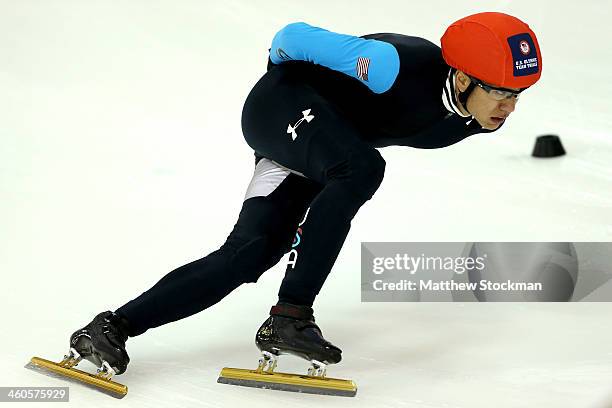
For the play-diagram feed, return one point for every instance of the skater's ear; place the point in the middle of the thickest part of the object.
(462, 81)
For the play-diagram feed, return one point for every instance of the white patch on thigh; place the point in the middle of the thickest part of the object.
(267, 177)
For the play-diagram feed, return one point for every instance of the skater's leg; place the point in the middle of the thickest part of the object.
(348, 186)
(275, 202)
(324, 147)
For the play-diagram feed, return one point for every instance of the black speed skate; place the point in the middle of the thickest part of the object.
(291, 329)
(102, 342)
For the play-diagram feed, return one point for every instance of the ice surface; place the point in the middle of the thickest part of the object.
(121, 158)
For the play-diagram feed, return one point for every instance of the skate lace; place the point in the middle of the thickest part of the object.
(113, 333)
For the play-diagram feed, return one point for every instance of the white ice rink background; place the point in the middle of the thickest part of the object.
(122, 158)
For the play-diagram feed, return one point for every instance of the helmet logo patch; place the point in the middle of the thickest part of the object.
(524, 55)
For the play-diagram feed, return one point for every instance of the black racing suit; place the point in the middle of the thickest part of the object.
(314, 131)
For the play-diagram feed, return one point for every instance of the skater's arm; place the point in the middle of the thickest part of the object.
(374, 63)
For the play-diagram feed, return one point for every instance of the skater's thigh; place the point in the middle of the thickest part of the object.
(288, 121)
(275, 202)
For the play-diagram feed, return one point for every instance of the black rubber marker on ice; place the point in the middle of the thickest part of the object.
(548, 146)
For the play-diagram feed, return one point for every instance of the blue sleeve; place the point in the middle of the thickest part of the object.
(374, 63)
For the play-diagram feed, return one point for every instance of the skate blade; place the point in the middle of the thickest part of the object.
(288, 382)
(55, 370)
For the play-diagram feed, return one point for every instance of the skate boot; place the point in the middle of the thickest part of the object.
(291, 329)
(102, 342)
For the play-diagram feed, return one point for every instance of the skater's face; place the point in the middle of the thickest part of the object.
(487, 108)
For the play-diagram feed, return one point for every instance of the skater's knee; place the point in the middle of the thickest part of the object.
(362, 172)
(255, 257)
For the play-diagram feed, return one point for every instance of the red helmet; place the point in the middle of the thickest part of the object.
(495, 48)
